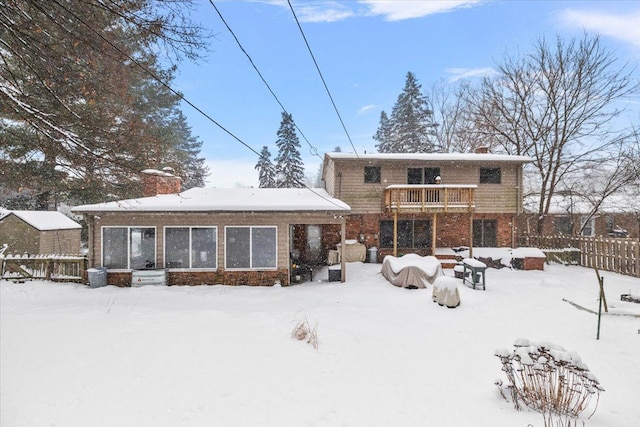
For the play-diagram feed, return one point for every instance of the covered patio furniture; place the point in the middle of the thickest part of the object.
(411, 271)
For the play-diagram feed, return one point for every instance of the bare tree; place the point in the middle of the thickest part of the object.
(557, 104)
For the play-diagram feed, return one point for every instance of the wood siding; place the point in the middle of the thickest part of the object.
(348, 183)
(24, 238)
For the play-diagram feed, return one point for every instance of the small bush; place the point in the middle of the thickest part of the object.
(548, 379)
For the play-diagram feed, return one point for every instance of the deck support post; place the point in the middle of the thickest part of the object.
(471, 235)
(395, 233)
(434, 234)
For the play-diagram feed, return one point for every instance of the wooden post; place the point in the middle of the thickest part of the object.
(434, 234)
(343, 252)
(471, 236)
(395, 233)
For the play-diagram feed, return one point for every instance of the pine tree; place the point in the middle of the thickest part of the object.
(78, 119)
(383, 134)
(289, 169)
(266, 170)
(410, 128)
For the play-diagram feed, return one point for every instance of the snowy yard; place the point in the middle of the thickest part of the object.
(224, 356)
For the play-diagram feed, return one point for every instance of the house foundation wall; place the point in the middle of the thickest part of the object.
(218, 277)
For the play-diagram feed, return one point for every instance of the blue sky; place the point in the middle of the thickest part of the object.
(364, 50)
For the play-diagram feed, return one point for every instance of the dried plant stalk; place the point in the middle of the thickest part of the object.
(548, 379)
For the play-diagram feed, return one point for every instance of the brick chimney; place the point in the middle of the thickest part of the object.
(483, 149)
(160, 182)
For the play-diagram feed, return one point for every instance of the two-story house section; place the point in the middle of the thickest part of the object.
(417, 202)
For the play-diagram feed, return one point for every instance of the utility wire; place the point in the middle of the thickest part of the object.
(156, 78)
(178, 94)
(322, 78)
(313, 150)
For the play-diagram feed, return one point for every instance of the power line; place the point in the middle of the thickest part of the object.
(313, 150)
(156, 78)
(178, 94)
(322, 78)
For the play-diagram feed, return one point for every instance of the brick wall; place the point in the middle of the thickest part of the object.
(158, 182)
(232, 278)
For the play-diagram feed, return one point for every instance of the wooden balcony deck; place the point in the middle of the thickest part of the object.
(429, 198)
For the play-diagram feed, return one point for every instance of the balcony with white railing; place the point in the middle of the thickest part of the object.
(429, 198)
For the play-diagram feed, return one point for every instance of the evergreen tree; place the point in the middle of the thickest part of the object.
(289, 169)
(78, 118)
(266, 170)
(383, 134)
(411, 127)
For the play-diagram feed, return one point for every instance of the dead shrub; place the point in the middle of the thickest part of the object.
(548, 379)
(304, 331)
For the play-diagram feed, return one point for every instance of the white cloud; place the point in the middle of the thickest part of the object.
(466, 73)
(366, 108)
(232, 173)
(622, 27)
(391, 10)
(323, 12)
(316, 11)
(399, 10)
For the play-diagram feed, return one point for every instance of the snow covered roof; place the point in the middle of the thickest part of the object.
(44, 220)
(562, 204)
(444, 157)
(229, 200)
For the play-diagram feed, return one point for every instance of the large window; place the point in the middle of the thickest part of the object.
(485, 233)
(250, 247)
(422, 175)
(190, 247)
(372, 175)
(490, 176)
(129, 247)
(411, 234)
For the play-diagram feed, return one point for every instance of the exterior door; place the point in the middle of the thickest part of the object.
(314, 244)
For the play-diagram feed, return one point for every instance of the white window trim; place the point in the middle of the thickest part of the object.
(128, 227)
(190, 227)
(592, 221)
(251, 227)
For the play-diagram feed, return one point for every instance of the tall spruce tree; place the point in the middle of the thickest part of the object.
(410, 128)
(266, 169)
(78, 118)
(289, 168)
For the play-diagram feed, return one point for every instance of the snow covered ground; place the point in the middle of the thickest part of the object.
(224, 356)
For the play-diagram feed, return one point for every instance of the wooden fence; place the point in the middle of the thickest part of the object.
(68, 268)
(619, 255)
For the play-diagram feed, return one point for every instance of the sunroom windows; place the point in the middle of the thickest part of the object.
(190, 247)
(251, 247)
(129, 247)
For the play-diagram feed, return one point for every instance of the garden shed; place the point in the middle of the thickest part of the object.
(39, 232)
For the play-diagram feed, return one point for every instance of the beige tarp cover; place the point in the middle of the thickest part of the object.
(411, 270)
(353, 251)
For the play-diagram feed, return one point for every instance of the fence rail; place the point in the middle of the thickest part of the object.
(45, 267)
(619, 255)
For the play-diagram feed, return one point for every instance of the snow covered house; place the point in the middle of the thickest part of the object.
(233, 236)
(39, 232)
(618, 215)
(417, 202)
